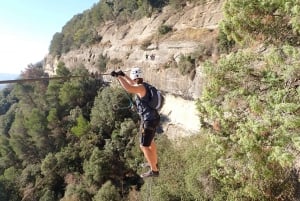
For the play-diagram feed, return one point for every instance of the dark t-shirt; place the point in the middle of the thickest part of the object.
(144, 110)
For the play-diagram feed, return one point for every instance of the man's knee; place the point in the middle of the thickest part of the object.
(143, 147)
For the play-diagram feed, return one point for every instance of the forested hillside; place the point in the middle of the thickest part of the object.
(75, 139)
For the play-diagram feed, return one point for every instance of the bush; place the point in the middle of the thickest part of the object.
(107, 192)
(186, 64)
(146, 44)
(102, 62)
(225, 45)
(257, 119)
(275, 22)
(76, 192)
(164, 29)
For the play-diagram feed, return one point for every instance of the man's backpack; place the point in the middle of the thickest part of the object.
(156, 99)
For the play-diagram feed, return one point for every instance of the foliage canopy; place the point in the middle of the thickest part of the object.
(65, 139)
(268, 21)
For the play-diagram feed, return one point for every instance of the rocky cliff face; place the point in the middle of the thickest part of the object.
(139, 44)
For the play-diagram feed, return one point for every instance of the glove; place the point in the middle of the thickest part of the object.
(114, 74)
(121, 73)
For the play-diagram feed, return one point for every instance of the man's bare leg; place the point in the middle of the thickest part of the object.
(150, 155)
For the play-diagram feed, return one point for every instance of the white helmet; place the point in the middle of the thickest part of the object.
(135, 73)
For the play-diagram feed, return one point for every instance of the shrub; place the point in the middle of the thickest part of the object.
(256, 111)
(146, 44)
(108, 192)
(164, 29)
(102, 62)
(186, 64)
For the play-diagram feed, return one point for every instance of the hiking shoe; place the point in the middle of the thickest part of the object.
(150, 173)
(147, 165)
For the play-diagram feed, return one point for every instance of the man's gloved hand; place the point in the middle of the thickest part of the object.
(121, 73)
(114, 74)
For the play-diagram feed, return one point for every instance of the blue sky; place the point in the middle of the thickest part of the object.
(27, 27)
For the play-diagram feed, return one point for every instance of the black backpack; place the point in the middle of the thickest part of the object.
(156, 99)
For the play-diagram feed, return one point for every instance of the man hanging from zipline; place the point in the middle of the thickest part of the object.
(150, 117)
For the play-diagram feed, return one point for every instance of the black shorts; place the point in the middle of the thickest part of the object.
(147, 132)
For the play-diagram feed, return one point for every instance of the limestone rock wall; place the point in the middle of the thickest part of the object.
(194, 29)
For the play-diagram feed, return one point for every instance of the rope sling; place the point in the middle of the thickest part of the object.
(149, 188)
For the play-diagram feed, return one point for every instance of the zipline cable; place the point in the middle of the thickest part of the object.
(49, 78)
(56, 78)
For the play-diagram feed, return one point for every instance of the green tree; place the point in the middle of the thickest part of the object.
(57, 168)
(102, 62)
(49, 195)
(106, 10)
(186, 64)
(96, 14)
(8, 157)
(9, 185)
(68, 160)
(6, 100)
(164, 29)
(82, 126)
(71, 93)
(263, 20)
(30, 94)
(21, 142)
(108, 192)
(52, 93)
(6, 120)
(76, 192)
(62, 70)
(111, 106)
(29, 177)
(158, 3)
(98, 168)
(3, 192)
(36, 125)
(56, 43)
(80, 91)
(251, 115)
